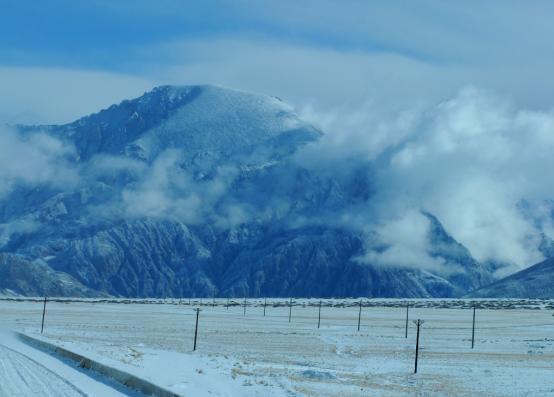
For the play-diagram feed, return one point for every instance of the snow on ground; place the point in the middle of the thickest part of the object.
(23, 376)
(253, 355)
(25, 372)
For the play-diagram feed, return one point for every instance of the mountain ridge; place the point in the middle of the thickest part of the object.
(536, 281)
(193, 191)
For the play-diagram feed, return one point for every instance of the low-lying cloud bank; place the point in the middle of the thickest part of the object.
(35, 160)
(476, 162)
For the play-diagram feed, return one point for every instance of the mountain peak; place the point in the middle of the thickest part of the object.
(195, 118)
(179, 93)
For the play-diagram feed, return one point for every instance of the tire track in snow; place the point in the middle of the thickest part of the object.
(20, 376)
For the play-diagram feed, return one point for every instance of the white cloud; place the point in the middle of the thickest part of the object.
(445, 32)
(301, 74)
(19, 226)
(321, 51)
(37, 159)
(168, 191)
(471, 161)
(109, 165)
(407, 244)
(330, 77)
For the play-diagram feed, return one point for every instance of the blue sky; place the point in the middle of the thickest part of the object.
(104, 34)
(60, 59)
(108, 34)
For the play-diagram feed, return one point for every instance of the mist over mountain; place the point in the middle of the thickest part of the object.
(206, 191)
(534, 282)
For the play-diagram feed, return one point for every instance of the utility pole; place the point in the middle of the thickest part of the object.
(407, 311)
(473, 329)
(43, 314)
(319, 316)
(360, 315)
(418, 323)
(290, 309)
(196, 329)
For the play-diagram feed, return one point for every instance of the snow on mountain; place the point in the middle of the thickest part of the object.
(195, 191)
(534, 282)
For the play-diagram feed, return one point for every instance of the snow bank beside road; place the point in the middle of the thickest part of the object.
(28, 372)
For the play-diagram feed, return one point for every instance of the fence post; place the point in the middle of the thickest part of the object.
(265, 303)
(244, 306)
(319, 316)
(360, 315)
(290, 309)
(227, 305)
(196, 329)
(43, 314)
(407, 311)
(473, 329)
(418, 323)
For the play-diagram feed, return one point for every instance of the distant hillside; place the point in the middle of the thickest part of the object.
(534, 282)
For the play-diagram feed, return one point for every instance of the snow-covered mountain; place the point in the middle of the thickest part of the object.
(198, 191)
(534, 282)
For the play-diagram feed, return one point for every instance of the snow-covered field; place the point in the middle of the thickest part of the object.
(253, 355)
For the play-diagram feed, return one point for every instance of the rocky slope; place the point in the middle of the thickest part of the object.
(197, 191)
(534, 282)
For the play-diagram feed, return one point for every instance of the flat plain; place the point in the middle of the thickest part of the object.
(241, 352)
